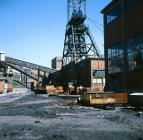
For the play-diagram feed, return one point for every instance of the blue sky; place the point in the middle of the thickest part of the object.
(34, 30)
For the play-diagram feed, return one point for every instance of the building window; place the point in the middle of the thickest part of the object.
(114, 13)
(98, 73)
(98, 81)
(134, 55)
(135, 52)
(115, 59)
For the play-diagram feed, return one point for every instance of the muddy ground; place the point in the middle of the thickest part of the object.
(28, 116)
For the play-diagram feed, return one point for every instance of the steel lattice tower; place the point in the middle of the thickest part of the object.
(78, 43)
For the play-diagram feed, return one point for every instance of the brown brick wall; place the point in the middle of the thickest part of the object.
(98, 64)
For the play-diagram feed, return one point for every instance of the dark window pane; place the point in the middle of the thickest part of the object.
(135, 52)
(115, 59)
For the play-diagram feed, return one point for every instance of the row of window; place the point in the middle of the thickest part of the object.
(134, 55)
(115, 59)
(98, 81)
(98, 73)
(135, 52)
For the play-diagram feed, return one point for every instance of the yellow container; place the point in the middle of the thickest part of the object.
(104, 98)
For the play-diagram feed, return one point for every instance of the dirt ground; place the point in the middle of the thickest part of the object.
(26, 116)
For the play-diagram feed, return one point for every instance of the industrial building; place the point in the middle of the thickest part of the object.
(57, 63)
(89, 73)
(123, 28)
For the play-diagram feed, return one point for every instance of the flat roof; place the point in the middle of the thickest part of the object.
(109, 6)
(86, 59)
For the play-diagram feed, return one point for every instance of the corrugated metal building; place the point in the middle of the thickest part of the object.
(87, 73)
(123, 26)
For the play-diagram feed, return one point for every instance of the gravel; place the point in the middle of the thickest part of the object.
(26, 116)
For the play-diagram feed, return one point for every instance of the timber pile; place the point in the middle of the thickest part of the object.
(54, 90)
(59, 90)
(50, 89)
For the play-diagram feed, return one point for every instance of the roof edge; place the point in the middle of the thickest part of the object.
(108, 6)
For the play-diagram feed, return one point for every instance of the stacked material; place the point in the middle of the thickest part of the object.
(59, 90)
(54, 90)
(50, 89)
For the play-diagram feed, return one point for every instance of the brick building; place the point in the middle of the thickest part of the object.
(123, 28)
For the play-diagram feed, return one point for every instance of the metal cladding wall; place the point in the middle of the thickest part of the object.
(133, 27)
(80, 73)
(84, 73)
(135, 80)
(113, 33)
(127, 26)
(112, 30)
(134, 20)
